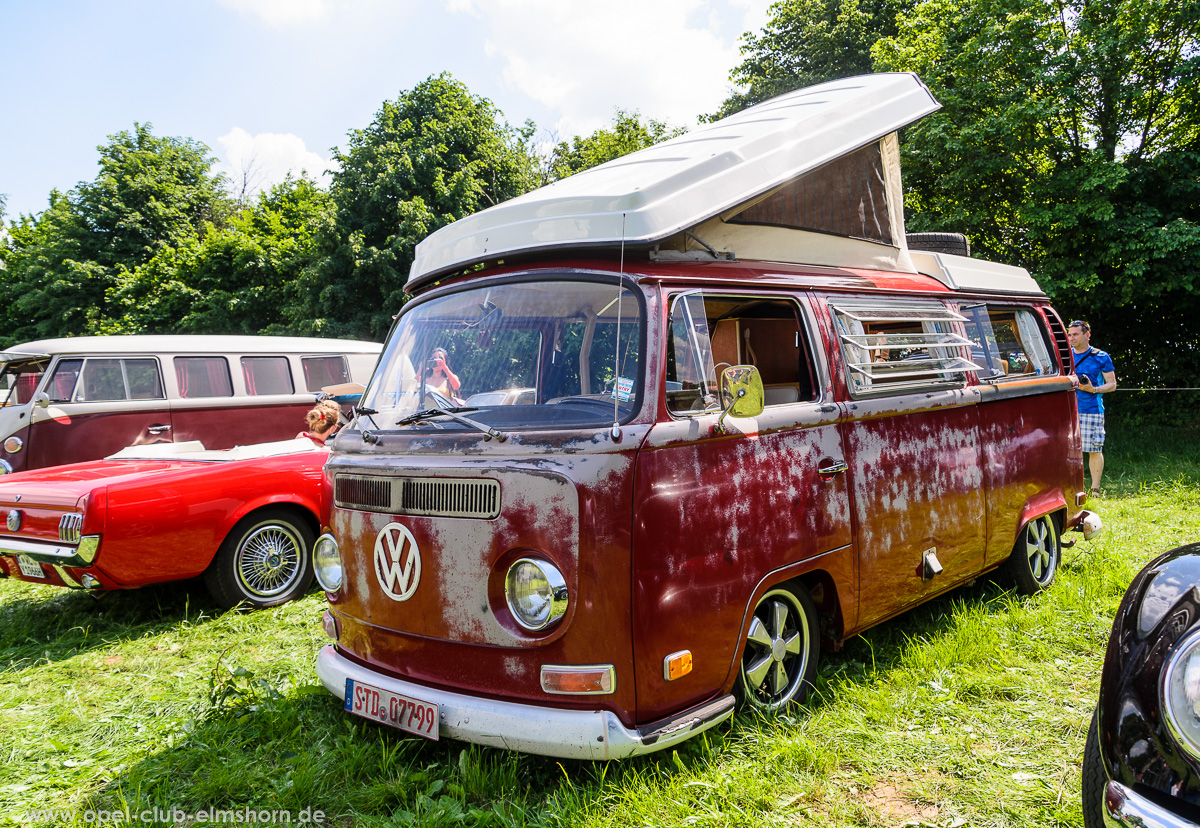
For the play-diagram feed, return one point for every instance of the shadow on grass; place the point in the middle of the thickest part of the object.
(260, 746)
(281, 746)
(43, 625)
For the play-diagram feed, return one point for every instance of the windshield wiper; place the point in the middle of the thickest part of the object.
(429, 413)
(359, 411)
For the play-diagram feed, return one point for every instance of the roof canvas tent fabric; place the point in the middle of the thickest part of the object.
(849, 213)
(719, 182)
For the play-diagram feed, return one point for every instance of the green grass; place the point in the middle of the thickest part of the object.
(970, 710)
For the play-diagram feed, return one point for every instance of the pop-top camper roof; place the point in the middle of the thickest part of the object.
(811, 177)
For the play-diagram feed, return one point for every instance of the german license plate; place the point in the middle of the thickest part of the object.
(29, 567)
(402, 712)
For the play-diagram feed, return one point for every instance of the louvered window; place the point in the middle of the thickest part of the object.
(888, 349)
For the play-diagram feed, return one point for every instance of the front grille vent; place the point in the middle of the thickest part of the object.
(422, 496)
(364, 492)
(69, 527)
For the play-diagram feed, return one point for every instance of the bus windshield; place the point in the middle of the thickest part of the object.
(547, 354)
(19, 379)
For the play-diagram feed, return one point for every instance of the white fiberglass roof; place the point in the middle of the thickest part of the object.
(652, 194)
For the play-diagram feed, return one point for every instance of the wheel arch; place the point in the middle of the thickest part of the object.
(303, 509)
(822, 588)
(1052, 502)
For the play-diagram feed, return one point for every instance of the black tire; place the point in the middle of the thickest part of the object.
(1033, 564)
(1094, 780)
(956, 244)
(782, 647)
(266, 560)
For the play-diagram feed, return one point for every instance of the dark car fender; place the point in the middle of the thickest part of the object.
(1161, 606)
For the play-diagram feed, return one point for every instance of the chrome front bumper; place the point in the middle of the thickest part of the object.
(550, 731)
(1123, 808)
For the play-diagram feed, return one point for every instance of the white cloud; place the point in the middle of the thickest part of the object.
(669, 59)
(257, 162)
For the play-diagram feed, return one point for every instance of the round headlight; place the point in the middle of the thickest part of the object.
(327, 561)
(536, 593)
(1180, 691)
(13, 444)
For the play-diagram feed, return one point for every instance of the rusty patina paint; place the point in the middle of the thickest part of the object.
(669, 537)
(570, 507)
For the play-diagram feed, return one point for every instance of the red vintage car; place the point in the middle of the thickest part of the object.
(244, 518)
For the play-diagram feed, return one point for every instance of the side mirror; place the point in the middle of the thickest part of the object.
(741, 392)
(41, 399)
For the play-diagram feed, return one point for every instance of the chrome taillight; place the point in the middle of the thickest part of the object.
(70, 527)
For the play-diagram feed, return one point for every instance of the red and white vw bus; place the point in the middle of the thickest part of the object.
(759, 424)
(86, 397)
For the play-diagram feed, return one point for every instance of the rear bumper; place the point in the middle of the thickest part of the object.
(550, 731)
(1123, 808)
(80, 555)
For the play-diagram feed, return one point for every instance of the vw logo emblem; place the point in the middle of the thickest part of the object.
(14, 520)
(397, 562)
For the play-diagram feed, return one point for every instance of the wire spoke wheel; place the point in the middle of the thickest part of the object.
(265, 560)
(268, 560)
(781, 651)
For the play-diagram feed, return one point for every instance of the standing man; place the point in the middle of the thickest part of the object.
(1097, 376)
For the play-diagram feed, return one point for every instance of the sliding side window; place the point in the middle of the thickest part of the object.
(893, 348)
(1008, 342)
(710, 333)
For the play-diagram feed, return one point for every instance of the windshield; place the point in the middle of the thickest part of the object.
(548, 354)
(18, 380)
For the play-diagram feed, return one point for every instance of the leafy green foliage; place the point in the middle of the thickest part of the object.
(806, 42)
(627, 134)
(970, 710)
(433, 155)
(233, 279)
(151, 193)
(1068, 145)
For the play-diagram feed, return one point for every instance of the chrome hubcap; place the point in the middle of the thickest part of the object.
(268, 560)
(1039, 547)
(776, 658)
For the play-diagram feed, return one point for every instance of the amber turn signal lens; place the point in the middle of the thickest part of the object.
(677, 665)
(589, 680)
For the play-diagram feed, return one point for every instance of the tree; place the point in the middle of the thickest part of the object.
(1068, 144)
(806, 42)
(232, 279)
(433, 155)
(627, 134)
(151, 194)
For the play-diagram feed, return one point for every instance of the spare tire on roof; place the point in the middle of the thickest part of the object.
(956, 244)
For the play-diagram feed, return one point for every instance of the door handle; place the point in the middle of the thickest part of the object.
(832, 468)
(159, 429)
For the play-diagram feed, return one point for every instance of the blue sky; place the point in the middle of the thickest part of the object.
(273, 85)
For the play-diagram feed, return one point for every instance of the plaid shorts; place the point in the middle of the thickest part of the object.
(1092, 426)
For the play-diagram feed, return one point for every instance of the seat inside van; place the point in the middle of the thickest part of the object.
(766, 334)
